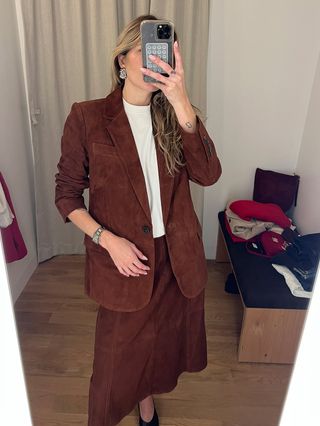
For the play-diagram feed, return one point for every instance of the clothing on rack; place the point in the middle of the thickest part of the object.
(13, 243)
(6, 215)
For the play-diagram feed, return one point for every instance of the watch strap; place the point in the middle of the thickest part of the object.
(96, 235)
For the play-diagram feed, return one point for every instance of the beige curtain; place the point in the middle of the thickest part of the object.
(68, 44)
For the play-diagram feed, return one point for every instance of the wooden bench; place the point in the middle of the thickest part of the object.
(272, 317)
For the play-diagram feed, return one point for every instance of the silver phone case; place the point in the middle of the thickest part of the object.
(148, 31)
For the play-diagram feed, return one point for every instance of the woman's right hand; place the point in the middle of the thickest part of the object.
(124, 254)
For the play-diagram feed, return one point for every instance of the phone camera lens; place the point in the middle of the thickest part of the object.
(164, 31)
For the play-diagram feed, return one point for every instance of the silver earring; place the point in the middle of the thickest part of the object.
(123, 73)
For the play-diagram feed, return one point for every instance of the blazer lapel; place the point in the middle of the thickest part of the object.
(119, 129)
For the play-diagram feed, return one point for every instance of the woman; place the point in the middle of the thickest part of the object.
(136, 150)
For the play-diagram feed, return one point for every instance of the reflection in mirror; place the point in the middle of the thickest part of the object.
(13, 387)
(135, 289)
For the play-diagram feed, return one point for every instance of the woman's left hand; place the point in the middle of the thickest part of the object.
(172, 86)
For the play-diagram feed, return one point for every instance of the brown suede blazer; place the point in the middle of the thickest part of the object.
(98, 152)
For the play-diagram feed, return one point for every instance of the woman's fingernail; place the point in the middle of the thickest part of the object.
(151, 56)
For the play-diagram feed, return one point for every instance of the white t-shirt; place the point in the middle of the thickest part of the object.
(141, 125)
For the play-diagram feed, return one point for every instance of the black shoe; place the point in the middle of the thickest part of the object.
(153, 422)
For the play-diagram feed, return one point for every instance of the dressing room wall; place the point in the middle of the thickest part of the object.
(262, 62)
(307, 211)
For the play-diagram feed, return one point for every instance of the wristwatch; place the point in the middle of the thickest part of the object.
(96, 235)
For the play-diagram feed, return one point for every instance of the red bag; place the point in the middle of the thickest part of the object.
(267, 244)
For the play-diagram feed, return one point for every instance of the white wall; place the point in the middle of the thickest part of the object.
(15, 156)
(307, 212)
(262, 61)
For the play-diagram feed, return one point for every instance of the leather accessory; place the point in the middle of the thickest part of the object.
(123, 73)
(96, 235)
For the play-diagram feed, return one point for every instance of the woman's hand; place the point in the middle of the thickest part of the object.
(174, 88)
(124, 254)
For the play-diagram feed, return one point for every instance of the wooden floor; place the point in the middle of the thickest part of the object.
(56, 324)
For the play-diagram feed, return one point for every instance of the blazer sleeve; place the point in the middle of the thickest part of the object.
(202, 163)
(73, 167)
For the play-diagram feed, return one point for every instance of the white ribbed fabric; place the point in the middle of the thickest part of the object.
(140, 122)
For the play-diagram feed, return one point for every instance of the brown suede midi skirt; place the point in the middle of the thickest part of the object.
(141, 353)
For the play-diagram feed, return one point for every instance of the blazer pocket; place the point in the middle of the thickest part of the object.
(100, 148)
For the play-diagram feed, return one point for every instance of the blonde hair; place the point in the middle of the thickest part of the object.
(164, 120)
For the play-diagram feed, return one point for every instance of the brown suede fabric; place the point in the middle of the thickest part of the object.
(142, 353)
(98, 152)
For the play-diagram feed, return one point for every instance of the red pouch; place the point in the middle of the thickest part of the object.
(267, 244)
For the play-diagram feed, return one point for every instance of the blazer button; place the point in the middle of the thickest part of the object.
(146, 229)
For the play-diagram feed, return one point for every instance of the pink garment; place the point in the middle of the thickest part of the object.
(13, 244)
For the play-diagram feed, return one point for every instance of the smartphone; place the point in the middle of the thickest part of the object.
(157, 38)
